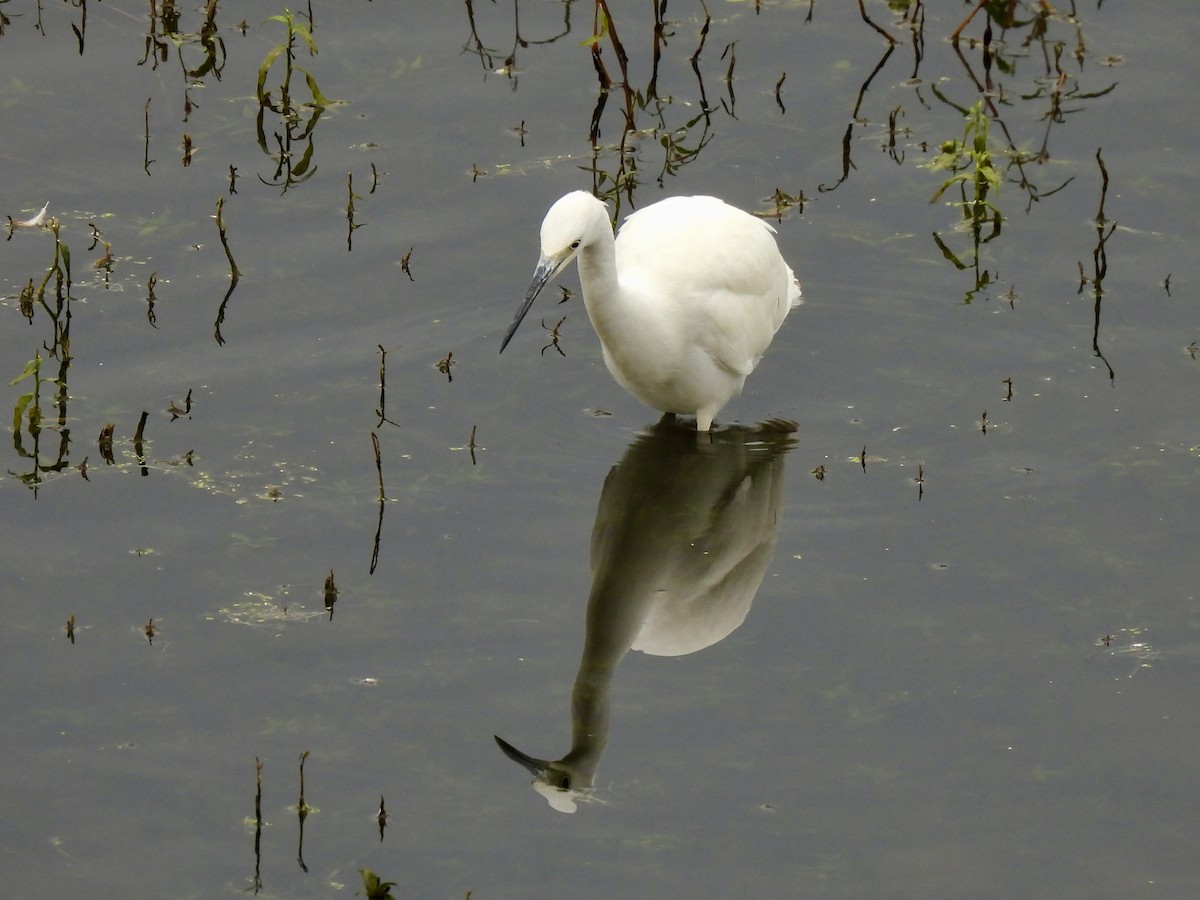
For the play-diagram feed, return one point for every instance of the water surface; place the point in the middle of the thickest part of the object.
(969, 667)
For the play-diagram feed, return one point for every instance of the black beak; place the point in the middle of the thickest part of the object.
(546, 269)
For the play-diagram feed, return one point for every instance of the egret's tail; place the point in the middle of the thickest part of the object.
(795, 295)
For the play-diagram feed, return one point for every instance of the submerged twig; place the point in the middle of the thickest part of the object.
(383, 389)
(1099, 265)
(258, 824)
(382, 507)
(302, 810)
(352, 226)
(863, 12)
(234, 272)
(331, 595)
(378, 465)
(146, 160)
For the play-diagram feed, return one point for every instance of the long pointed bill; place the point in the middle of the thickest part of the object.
(536, 767)
(546, 269)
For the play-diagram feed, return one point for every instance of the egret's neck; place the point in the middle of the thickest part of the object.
(601, 289)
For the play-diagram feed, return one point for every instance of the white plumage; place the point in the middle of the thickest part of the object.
(685, 300)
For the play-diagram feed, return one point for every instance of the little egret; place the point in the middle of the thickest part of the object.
(685, 299)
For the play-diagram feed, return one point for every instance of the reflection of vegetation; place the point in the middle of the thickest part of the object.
(351, 225)
(374, 888)
(28, 415)
(680, 146)
(1104, 230)
(302, 811)
(1016, 34)
(163, 32)
(234, 272)
(296, 131)
(646, 113)
(504, 62)
(971, 168)
(34, 413)
(164, 27)
(27, 419)
(60, 271)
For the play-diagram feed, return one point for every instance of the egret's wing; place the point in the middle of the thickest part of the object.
(722, 269)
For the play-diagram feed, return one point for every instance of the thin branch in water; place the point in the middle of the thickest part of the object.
(138, 450)
(954, 36)
(730, 49)
(258, 824)
(863, 12)
(1101, 221)
(146, 160)
(378, 465)
(383, 389)
(351, 225)
(847, 162)
(234, 272)
(382, 505)
(150, 298)
(1100, 266)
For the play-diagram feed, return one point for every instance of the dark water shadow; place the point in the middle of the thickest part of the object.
(685, 530)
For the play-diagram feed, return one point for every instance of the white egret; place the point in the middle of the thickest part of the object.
(685, 299)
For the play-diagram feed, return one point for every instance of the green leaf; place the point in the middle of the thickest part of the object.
(31, 368)
(19, 410)
(374, 887)
(268, 60)
(948, 253)
(305, 161)
(957, 179)
(319, 99)
(992, 176)
(308, 39)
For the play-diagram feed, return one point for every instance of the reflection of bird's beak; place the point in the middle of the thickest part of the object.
(537, 767)
(546, 269)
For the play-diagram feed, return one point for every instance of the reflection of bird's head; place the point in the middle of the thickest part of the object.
(553, 779)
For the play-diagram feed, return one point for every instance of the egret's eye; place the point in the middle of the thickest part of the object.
(575, 245)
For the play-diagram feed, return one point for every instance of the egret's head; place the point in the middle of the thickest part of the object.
(572, 224)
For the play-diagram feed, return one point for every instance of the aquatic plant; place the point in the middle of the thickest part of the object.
(290, 170)
(973, 170)
(376, 889)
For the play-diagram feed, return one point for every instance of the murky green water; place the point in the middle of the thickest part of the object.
(967, 666)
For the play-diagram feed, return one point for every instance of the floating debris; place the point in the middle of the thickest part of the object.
(41, 220)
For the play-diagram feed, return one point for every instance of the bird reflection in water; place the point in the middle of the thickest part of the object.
(684, 533)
